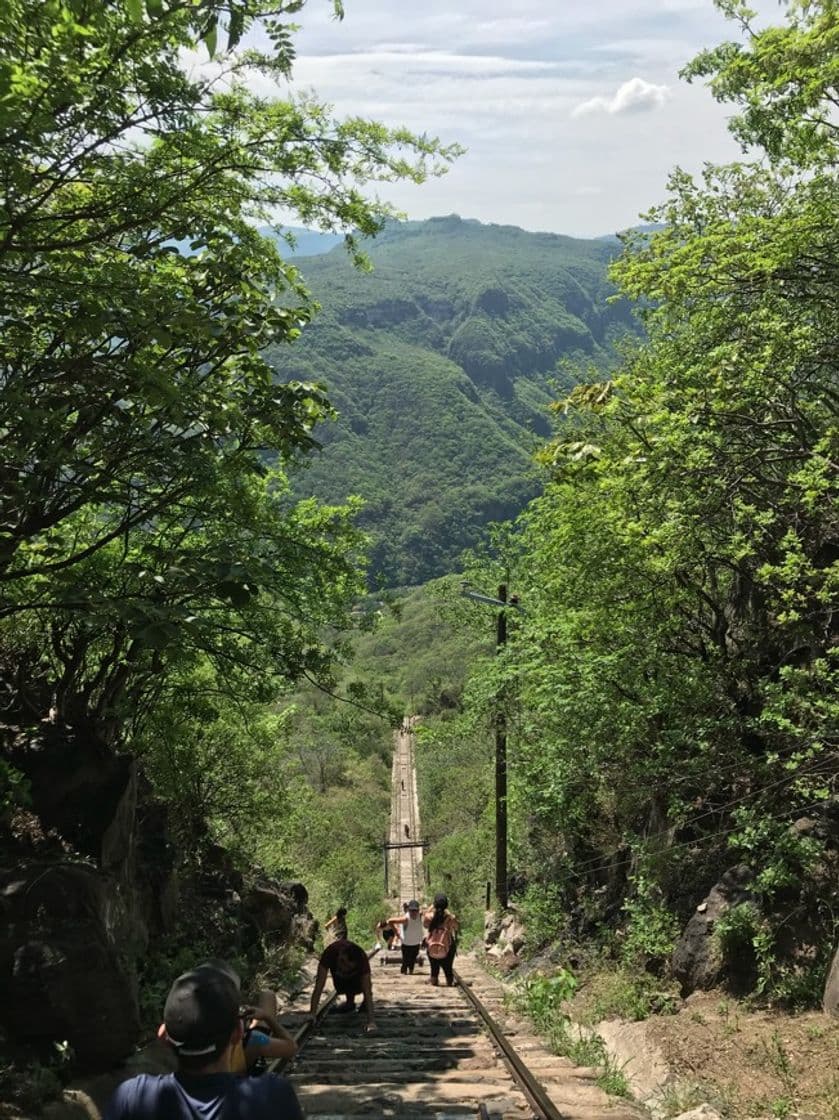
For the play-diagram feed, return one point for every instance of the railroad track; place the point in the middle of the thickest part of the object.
(406, 873)
(435, 1056)
(439, 1053)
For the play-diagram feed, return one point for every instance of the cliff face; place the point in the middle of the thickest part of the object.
(91, 883)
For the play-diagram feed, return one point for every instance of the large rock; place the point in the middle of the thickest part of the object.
(62, 965)
(277, 910)
(697, 961)
(830, 1002)
(80, 787)
(505, 932)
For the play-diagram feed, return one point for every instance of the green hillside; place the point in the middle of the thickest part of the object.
(441, 363)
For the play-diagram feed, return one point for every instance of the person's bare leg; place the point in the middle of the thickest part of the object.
(266, 1002)
(264, 1010)
(367, 993)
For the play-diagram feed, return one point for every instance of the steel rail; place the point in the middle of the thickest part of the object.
(531, 1088)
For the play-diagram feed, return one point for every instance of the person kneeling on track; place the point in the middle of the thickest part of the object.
(203, 1026)
(350, 970)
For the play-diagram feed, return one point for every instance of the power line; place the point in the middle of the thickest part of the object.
(584, 872)
(702, 816)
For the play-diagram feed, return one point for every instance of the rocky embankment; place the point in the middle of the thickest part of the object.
(711, 1056)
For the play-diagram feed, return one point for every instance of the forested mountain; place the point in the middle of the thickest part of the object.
(441, 363)
(178, 616)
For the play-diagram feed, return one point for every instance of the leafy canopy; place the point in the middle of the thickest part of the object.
(145, 542)
(671, 689)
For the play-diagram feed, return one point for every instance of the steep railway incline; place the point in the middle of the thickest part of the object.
(405, 862)
(433, 1056)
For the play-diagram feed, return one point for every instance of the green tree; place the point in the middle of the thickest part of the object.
(674, 676)
(148, 541)
(132, 371)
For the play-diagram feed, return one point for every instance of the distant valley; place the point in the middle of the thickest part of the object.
(441, 363)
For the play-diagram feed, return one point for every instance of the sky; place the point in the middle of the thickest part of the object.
(572, 111)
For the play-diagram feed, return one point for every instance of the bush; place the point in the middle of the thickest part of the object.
(626, 994)
(652, 929)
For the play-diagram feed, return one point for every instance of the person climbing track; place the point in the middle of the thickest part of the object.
(441, 939)
(350, 970)
(336, 926)
(411, 933)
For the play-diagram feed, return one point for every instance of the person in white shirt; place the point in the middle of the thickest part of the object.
(411, 932)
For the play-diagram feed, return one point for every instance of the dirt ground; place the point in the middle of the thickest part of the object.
(750, 1063)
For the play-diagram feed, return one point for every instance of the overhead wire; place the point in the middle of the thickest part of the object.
(708, 813)
(610, 865)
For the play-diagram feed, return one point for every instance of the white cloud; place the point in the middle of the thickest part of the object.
(424, 61)
(634, 96)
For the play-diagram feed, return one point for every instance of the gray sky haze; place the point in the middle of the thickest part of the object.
(572, 111)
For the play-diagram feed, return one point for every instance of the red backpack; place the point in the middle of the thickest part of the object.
(438, 943)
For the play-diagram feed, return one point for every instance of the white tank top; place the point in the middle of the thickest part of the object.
(412, 931)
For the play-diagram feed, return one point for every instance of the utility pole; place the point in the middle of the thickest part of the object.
(500, 737)
(501, 766)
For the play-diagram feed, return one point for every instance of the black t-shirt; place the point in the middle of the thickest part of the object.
(345, 960)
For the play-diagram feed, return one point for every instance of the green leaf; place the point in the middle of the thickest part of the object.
(135, 10)
(211, 38)
(235, 28)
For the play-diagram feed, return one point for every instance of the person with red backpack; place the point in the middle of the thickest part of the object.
(441, 939)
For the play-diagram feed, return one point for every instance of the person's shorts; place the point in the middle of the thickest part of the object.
(347, 985)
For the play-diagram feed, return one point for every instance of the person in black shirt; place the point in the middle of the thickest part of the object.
(350, 970)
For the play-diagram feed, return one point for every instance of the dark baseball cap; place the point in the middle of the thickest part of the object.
(201, 1011)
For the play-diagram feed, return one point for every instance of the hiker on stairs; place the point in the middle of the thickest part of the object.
(441, 939)
(411, 932)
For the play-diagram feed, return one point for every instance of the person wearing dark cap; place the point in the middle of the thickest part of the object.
(411, 933)
(203, 1027)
